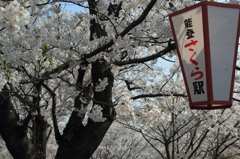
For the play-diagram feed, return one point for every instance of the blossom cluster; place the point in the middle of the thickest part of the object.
(3, 81)
(234, 2)
(150, 116)
(14, 79)
(125, 111)
(13, 16)
(80, 112)
(96, 114)
(102, 84)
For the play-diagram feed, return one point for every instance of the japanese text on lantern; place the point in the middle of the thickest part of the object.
(196, 73)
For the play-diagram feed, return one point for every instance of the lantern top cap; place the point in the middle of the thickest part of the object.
(204, 3)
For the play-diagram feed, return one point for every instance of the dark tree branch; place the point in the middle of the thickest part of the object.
(235, 99)
(167, 59)
(227, 146)
(169, 78)
(169, 48)
(140, 19)
(129, 87)
(238, 68)
(159, 152)
(49, 133)
(158, 95)
(199, 144)
(46, 75)
(54, 118)
(125, 31)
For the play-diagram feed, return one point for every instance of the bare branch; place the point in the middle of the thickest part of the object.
(54, 118)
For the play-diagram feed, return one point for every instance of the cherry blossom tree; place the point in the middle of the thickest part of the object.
(123, 143)
(194, 134)
(188, 133)
(65, 75)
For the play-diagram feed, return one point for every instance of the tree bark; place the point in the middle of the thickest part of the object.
(85, 142)
(80, 142)
(39, 138)
(15, 136)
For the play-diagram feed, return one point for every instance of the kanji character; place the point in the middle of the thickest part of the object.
(198, 87)
(190, 33)
(188, 23)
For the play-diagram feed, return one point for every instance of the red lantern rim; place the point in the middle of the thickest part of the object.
(211, 105)
(205, 3)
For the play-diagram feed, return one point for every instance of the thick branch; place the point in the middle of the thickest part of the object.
(125, 31)
(169, 48)
(158, 95)
(140, 19)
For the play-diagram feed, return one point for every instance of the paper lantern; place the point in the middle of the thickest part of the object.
(206, 37)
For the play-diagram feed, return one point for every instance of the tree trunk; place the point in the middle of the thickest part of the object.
(86, 143)
(15, 136)
(80, 142)
(39, 138)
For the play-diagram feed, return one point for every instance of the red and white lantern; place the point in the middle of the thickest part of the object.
(206, 38)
